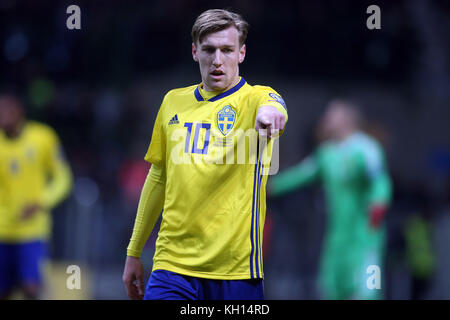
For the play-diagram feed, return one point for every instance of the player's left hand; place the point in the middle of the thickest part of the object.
(133, 278)
(270, 119)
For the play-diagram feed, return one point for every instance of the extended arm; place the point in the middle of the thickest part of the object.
(271, 114)
(295, 177)
(271, 119)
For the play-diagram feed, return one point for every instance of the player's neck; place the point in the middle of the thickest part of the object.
(208, 89)
(16, 131)
(343, 135)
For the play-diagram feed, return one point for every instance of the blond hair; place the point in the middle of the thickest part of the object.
(214, 20)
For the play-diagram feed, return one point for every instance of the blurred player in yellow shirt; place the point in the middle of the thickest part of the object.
(34, 178)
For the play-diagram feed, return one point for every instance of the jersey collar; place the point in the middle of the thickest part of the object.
(224, 94)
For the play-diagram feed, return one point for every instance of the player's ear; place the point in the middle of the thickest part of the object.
(242, 52)
(194, 52)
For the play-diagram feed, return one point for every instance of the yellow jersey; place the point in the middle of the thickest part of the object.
(32, 171)
(214, 205)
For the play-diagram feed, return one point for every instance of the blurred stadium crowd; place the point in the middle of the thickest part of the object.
(100, 88)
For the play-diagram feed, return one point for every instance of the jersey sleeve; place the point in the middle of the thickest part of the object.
(3, 195)
(380, 186)
(55, 152)
(60, 182)
(156, 153)
(150, 206)
(269, 97)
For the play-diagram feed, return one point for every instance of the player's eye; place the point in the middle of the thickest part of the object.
(227, 50)
(209, 50)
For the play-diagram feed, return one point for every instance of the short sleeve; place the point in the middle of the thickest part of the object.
(269, 97)
(55, 152)
(373, 160)
(156, 152)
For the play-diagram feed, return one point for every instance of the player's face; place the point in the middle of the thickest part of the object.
(219, 55)
(10, 114)
(336, 121)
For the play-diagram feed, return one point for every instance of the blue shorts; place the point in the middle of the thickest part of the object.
(21, 263)
(167, 285)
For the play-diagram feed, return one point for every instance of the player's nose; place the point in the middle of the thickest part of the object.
(217, 58)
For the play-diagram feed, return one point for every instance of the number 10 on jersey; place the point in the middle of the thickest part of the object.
(198, 127)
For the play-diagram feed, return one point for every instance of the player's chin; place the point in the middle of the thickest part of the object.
(218, 84)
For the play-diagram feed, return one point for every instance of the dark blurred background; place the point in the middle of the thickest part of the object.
(100, 88)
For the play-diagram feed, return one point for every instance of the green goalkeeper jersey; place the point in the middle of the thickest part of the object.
(354, 176)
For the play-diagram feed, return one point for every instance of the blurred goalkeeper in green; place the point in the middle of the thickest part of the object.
(351, 166)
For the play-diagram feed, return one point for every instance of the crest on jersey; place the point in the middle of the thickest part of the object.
(226, 118)
(14, 166)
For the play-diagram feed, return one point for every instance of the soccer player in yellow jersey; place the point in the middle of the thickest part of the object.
(213, 202)
(34, 178)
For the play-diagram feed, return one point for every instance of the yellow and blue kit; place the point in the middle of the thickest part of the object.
(32, 172)
(213, 200)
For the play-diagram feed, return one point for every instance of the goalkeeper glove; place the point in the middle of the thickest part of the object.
(377, 213)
